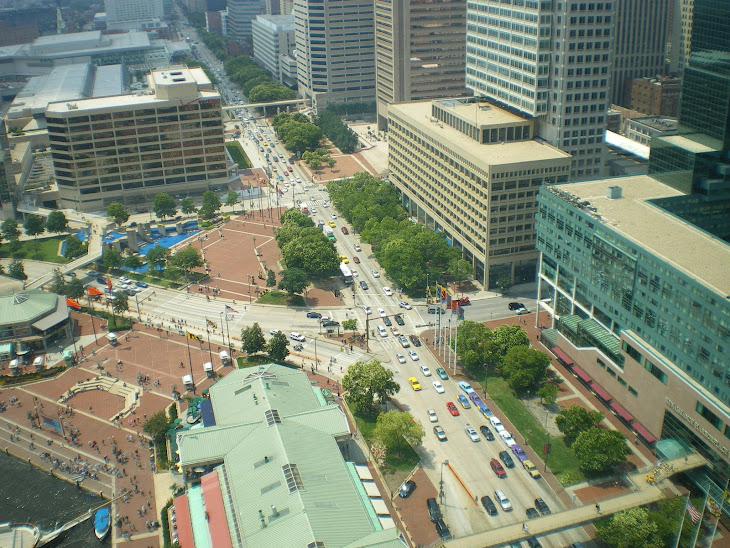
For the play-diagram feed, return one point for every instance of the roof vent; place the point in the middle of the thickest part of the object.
(614, 192)
(20, 298)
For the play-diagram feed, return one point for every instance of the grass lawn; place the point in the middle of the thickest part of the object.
(253, 361)
(561, 460)
(42, 249)
(239, 156)
(281, 298)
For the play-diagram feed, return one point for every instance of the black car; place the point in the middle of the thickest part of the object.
(515, 306)
(364, 286)
(414, 340)
(399, 320)
(406, 489)
(314, 315)
(507, 459)
(542, 507)
(489, 506)
(443, 530)
(387, 321)
(532, 542)
(486, 432)
(331, 323)
(434, 512)
(532, 513)
(101, 280)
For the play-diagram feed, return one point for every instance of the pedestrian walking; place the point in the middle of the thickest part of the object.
(598, 508)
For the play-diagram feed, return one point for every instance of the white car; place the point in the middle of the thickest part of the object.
(432, 416)
(473, 436)
(401, 358)
(425, 370)
(387, 291)
(381, 312)
(314, 210)
(395, 331)
(376, 274)
(507, 438)
(439, 387)
(357, 248)
(405, 305)
(325, 203)
(275, 331)
(382, 332)
(297, 336)
(332, 215)
(367, 310)
(413, 355)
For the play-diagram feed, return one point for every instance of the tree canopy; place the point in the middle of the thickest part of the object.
(278, 347)
(157, 425)
(74, 246)
(293, 280)
(524, 368)
(187, 206)
(117, 212)
(164, 205)
(397, 430)
(112, 258)
(368, 384)
(158, 256)
(252, 339)
(16, 270)
(576, 419)
(337, 131)
(56, 222)
(631, 528)
(599, 449)
(186, 259)
(305, 247)
(10, 231)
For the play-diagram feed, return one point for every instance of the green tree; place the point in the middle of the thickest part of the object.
(232, 199)
(117, 212)
(164, 205)
(397, 430)
(34, 225)
(10, 231)
(350, 325)
(74, 247)
(56, 222)
(74, 289)
(132, 261)
(504, 283)
(252, 339)
(187, 206)
(548, 393)
(293, 280)
(368, 384)
(112, 258)
(524, 368)
(278, 347)
(266, 93)
(210, 206)
(157, 425)
(158, 257)
(504, 338)
(473, 345)
(599, 450)
(270, 278)
(57, 284)
(460, 270)
(187, 259)
(631, 528)
(576, 419)
(16, 270)
(120, 302)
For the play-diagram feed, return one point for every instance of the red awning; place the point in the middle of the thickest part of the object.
(621, 412)
(562, 356)
(600, 392)
(182, 521)
(214, 510)
(643, 432)
(582, 375)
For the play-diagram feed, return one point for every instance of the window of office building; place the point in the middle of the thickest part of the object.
(713, 419)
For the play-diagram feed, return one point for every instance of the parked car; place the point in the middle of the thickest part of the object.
(441, 373)
(542, 506)
(141, 284)
(440, 434)
(519, 452)
(486, 432)
(531, 469)
(464, 401)
(406, 489)
(506, 459)
(414, 340)
(434, 512)
(465, 386)
(443, 530)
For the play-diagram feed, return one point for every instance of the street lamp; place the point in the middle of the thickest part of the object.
(441, 482)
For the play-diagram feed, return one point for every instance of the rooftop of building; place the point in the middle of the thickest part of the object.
(659, 123)
(693, 251)
(28, 306)
(419, 115)
(277, 22)
(480, 113)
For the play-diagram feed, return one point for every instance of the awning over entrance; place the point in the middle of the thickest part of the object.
(182, 519)
(562, 356)
(621, 412)
(582, 375)
(643, 432)
(600, 392)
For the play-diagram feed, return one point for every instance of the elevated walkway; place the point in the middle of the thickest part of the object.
(645, 492)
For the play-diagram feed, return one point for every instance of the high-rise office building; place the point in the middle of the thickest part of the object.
(335, 51)
(419, 51)
(127, 148)
(240, 15)
(681, 35)
(641, 43)
(273, 39)
(7, 176)
(133, 14)
(551, 60)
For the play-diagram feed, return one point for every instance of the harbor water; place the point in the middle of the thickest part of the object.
(30, 495)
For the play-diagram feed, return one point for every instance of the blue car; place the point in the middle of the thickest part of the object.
(465, 386)
(141, 284)
(314, 315)
(464, 401)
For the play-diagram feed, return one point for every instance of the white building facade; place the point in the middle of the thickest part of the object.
(273, 37)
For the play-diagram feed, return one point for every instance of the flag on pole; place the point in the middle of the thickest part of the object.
(93, 291)
(443, 293)
(109, 283)
(210, 324)
(448, 301)
(73, 303)
(694, 514)
(460, 313)
(230, 310)
(193, 336)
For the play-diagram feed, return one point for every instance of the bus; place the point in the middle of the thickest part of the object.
(305, 208)
(346, 274)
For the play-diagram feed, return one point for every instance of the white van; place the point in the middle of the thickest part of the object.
(14, 366)
(502, 500)
(112, 338)
(297, 336)
(38, 363)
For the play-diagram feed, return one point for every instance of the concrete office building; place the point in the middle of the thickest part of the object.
(133, 14)
(642, 28)
(552, 61)
(240, 15)
(643, 129)
(335, 51)
(656, 96)
(127, 148)
(273, 39)
(681, 35)
(419, 51)
(472, 170)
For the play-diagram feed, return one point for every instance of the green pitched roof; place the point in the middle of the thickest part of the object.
(26, 306)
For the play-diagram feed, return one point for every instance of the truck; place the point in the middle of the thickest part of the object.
(329, 233)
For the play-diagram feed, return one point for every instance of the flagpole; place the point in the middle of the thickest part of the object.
(722, 503)
(699, 521)
(681, 522)
(190, 360)
(230, 350)
(91, 304)
(207, 330)
(456, 342)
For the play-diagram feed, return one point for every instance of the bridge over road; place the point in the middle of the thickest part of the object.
(644, 493)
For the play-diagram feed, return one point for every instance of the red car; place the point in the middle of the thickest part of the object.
(344, 230)
(356, 260)
(452, 409)
(494, 463)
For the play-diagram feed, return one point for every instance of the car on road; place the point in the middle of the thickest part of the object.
(532, 513)
(344, 230)
(473, 436)
(382, 332)
(497, 467)
(441, 373)
(464, 401)
(465, 386)
(406, 489)
(325, 203)
(432, 416)
(542, 506)
(413, 355)
(399, 320)
(439, 387)
(531, 469)
(502, 500)
(331, 223)
(314, 315)
(403, 341)
(506, 458)
(91, 273)
(363, 285)
(519, 452)
(515, 306)
(356, 259)
(358, 248)
(394, 330)
(367, 310)
(405, 305)
(486, 432)
(297, 336)
(489, 505)
(440, 434)
(413, 381)
(141, 284)
(507, 438)
(532, 542)
(344, 259)
(101, 280)
(452, 409)
(388, 292)
(415, 340)
(387, 321)
(375, 273)
(425, 370)
(381, 312)
(443, 530)
(333, 216)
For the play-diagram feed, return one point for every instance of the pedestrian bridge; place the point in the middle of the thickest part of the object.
(644, 493)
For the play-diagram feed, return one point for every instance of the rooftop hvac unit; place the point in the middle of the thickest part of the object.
(614, 192)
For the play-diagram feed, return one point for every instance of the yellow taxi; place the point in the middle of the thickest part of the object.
(344, 259)
(413, 381)
(331, 223)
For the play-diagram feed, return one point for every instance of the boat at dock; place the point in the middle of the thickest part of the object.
(19, 535)
(102, 522)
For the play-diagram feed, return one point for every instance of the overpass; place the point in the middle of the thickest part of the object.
(643, 493)
(264, 105)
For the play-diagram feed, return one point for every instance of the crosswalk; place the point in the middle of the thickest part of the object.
(195, 309)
